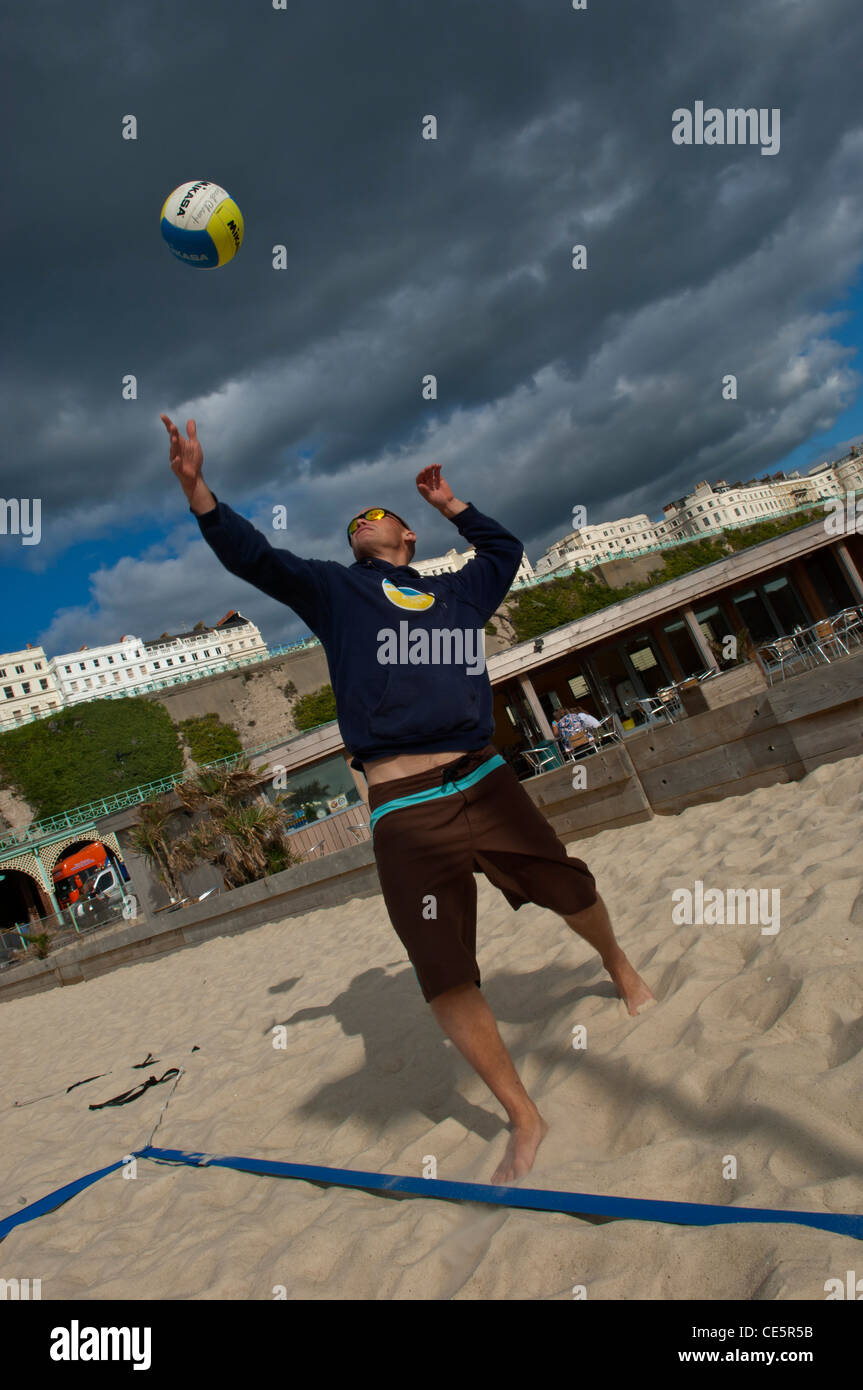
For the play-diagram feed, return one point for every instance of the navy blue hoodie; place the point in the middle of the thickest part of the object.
(398, 707)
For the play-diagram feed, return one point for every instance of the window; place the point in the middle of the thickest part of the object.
(755, 616)
(782, 597)
(37, 666)
(9, 691)
(25, 687)
(110, 661)
(43, 683)
(336, 781)
(19, 670)
(579, 687)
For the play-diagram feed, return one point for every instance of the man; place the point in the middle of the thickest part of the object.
(443, 803)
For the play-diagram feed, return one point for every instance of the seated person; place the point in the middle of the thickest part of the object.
(574, 721)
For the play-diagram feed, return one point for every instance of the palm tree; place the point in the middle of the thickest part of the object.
(149, 836)
(247, 841)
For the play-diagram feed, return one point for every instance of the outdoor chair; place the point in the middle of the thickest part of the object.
(670, 697)
(578, 742)
(780, 655)
(848, 625)
(606, 731)
(360, 831)
(320, 845)
(825, 639)
(541, 759)
(655, 710)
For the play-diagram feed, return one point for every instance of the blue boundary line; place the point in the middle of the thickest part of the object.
(54, 1199)
(528, 1198)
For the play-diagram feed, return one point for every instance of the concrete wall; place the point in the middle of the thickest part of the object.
(330, 882)
(778, 735)
(618, 573)
(252, 700)
(725, 689)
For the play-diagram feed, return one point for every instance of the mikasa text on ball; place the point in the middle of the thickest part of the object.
(202, 224)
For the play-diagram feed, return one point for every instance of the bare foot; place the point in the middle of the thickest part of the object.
(524, 1141)
(632, 989)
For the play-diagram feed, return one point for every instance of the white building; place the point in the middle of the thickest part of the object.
(708, 508)
(97, 673)
(33, 685)
(28, 687)
(205, 651)
(240, 638)
(590, 544)
(453, 561)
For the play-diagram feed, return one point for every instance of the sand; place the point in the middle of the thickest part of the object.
(754, 1051)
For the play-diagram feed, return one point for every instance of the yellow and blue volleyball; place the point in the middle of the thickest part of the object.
(202, 224)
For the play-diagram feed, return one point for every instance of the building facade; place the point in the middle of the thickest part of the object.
(455, 560)
(28, 686)
(34, 685)
(708, 508)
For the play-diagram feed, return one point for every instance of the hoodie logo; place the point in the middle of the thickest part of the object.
(403, 596)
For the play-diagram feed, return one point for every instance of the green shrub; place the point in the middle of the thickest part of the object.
(89, 751)
(209, 739)
(319, 707)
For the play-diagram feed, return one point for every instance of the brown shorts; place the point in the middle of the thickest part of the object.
(428, 851)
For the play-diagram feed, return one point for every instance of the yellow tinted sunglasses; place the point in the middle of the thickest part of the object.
(373, 514)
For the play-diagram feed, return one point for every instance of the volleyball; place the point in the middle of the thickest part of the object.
(202, 224)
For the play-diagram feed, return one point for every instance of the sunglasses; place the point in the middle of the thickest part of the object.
(373, 514)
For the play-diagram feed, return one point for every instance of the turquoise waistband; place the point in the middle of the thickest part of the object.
(433, 793)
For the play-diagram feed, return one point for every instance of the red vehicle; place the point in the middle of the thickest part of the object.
(73, 874)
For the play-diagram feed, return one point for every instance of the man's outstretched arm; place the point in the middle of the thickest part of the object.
(486, 579)
(241, 547)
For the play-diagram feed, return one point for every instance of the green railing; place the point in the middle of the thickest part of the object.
(118, 801)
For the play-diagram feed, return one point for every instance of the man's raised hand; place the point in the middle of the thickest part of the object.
(435, 489)
(438, 492)
(187, 456)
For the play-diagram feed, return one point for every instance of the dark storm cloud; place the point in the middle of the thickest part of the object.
(407, 257)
